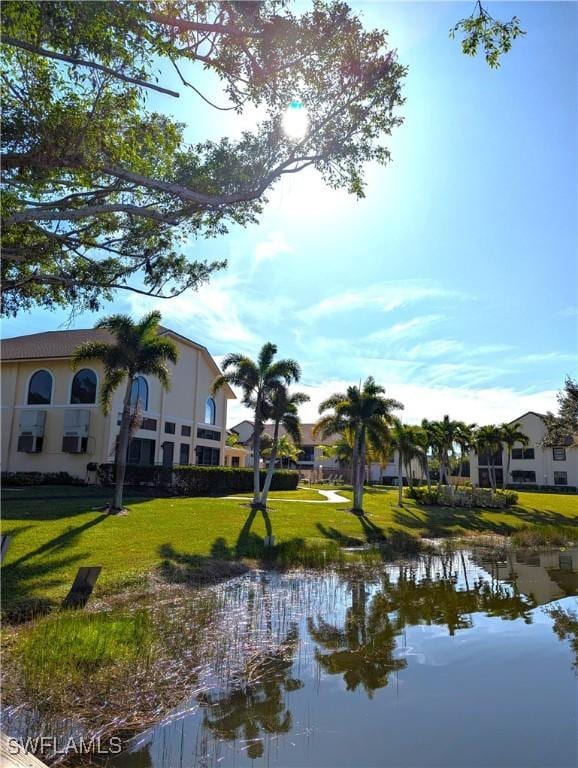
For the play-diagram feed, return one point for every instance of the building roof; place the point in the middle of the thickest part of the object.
(61, 344)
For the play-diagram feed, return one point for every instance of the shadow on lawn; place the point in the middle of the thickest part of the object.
(443, 521)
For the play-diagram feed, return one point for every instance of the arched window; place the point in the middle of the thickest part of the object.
(40, 388)
(140, 393)
(210, 411)
(83, 387)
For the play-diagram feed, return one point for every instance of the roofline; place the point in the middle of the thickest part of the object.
(541, 416)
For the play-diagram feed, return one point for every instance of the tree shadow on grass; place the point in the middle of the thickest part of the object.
(443, 521)
(20, 581)
(198, 570)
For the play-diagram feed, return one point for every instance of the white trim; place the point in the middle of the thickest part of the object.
(74, 375)
(27, 390)
(66, 405)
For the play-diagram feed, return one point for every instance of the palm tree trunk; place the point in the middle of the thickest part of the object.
(256, 459)
(400, 479)
(506, 477)
(121, 450)
(427, 474)
(271, 467)
(359, 467)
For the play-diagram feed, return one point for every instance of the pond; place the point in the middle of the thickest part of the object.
(460, 659)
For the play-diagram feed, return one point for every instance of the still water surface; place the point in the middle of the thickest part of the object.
(452, 660)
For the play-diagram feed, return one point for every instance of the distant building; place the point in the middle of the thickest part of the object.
(531, 464)
(312, 458)
(52, 420)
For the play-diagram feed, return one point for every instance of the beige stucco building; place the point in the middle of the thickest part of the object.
(52, 421)
(531, 464)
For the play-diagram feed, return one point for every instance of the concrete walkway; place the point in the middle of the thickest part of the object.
(330, 497)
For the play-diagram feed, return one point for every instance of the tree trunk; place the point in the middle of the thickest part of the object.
(492, 474)
(506, 477)
(121, 450)
(427, 475)
(400, 479)
(271, 467)
(257, 456)
(359, 466)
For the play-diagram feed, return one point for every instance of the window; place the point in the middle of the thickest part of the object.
(208, 434)
(139, 393)
(40, 388)
(210, 411)
(149, 424)
(484, 459)
(141, 451)
(560, 478)
(184, 456)
(207, 456)
(83, 388)
(523, 453)
(170, 427)
(185, 431)
(307, 453)
(235, 461)
(523, 476)
(559, 454)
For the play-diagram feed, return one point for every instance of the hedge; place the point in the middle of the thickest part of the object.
(542, 488)
(198, 481)
(39, 478)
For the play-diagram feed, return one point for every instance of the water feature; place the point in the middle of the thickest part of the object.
(463, 659)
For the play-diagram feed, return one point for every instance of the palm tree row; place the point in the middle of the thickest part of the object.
(361, 419)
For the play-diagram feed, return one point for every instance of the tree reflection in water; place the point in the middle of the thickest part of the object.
(566, 627)
(424, 592)
(258, 705)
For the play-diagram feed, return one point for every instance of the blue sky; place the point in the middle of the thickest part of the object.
(455, 281)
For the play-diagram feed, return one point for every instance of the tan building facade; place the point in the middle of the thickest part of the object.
(52, 420)
(531, 464)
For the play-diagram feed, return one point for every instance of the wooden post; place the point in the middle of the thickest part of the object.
(82, 587)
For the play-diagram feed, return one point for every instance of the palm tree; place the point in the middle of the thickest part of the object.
(367, 414)
(428, 428)
(464, 438)
(511, 434)
(137, 349)
(286, 449)
(407, 440)
(488, 440)
(444, 435)
(257, 380)
(284, 412)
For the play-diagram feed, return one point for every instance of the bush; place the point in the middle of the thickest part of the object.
(511, 497)
(137, 474)
(206, 481)
(423, 495)
(529, 487)
(39, 478)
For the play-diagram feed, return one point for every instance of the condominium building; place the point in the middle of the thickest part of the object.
(52, 420)
(530, 464)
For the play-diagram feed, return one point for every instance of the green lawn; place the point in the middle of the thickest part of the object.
(53, 536)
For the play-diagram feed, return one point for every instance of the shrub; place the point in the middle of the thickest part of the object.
(205, 481)
(423, 495)
(511, 497)
(137, 474)
(39, 478)
(529, 487)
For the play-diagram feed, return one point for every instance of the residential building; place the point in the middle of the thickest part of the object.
(531, 464)
(52, 420)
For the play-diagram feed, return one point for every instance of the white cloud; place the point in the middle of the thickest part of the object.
(267, 250)
(489, 405)
(404, 330)
(385, 297)
(539, 357)
(571, 311)
(211, 314)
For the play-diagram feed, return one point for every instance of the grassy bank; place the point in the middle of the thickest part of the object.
(54, 534)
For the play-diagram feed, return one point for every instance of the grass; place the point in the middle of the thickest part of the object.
(53, 537)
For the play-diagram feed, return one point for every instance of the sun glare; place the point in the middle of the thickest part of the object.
(295, 121)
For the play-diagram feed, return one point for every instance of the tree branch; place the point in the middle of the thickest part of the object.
(83, 63)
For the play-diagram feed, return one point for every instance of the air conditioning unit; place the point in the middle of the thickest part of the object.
(31, 431)
(75, 435)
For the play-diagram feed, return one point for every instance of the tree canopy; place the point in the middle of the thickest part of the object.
(100, 191)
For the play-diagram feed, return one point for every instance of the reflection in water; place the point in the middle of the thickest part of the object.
(295, 633)
(258, 704)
